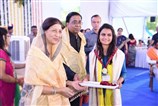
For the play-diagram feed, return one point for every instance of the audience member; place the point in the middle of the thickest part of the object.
(33, 33)
(87, 30)
(10, 30)
(131, 51)
(73, 48)
(152, 57)
(149, 41)
(107, 63)
(140, 43)
(122, 41)
(155, 36)
(7, 79)
(83, 31)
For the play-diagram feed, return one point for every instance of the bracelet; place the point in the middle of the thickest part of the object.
(53, 91)
(16, 80)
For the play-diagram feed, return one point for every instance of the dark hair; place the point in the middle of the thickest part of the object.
(34, 26)
(49, 22)
(82, 30)
(120, 29)
(10, 27)
(68, 17)
(112, 45)
(96, 15)
(3, 32)
(131, 36)
(155, 42)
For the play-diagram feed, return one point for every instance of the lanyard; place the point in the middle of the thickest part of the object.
(96, 53)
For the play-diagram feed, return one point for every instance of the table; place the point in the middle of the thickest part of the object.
(140, 60)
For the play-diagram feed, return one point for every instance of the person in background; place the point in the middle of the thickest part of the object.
(131, 51)
(73, 49)
(33, 33)
(155, 36)
(83, 31)
(121, 41)
(149, 41)
(87, 30)
(7, 79)
(152, 57)
(140, 43)
(107, 63)
(91, 36)
(10, 30)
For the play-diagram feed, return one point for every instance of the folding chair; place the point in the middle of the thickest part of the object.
(151, 67)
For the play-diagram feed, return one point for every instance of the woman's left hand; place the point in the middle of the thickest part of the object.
(119, 82)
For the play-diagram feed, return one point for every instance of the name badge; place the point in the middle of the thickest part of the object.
(106, 77)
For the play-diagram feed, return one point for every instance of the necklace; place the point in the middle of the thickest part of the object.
(105, 76)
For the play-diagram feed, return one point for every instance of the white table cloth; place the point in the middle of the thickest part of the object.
(140, 60)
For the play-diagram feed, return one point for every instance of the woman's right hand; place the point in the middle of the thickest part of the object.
(66, 91)
(20, 81)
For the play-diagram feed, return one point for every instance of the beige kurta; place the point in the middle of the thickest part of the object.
(40, 71)
(76, 61)
(118, 60)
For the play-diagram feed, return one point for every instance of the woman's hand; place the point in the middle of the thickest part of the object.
(75, 86)
(86, 78)
(119, 82)
(66, 92)
(20, 81)
(76, 77)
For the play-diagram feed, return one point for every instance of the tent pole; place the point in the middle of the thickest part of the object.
(125, 25)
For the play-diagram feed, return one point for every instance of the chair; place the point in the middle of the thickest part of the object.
(151, 67)
(151, 76)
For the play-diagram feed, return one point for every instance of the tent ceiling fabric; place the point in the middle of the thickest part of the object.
(130, 8)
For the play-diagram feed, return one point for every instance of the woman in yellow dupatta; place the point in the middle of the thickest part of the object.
(45, 77)
(106, 56)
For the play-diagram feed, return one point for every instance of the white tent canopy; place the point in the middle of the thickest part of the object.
(128, 14)
(133, 8)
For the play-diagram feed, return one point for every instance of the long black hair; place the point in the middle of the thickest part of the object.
(3, 38)
(112, 45)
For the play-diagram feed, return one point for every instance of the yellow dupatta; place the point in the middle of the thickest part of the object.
(108, 99)
(76, 61)
(41, 71)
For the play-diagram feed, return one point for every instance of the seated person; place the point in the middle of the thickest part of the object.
(152, 57)
(140, 43)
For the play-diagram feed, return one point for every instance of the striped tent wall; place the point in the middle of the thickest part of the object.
(21, 16)
(37, 14)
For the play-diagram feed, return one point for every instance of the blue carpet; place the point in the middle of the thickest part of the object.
(136, 91)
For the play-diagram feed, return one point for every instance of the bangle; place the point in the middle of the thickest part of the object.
(53, 91)
(16, 80)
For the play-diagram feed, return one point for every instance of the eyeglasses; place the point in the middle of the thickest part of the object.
(76, 22)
